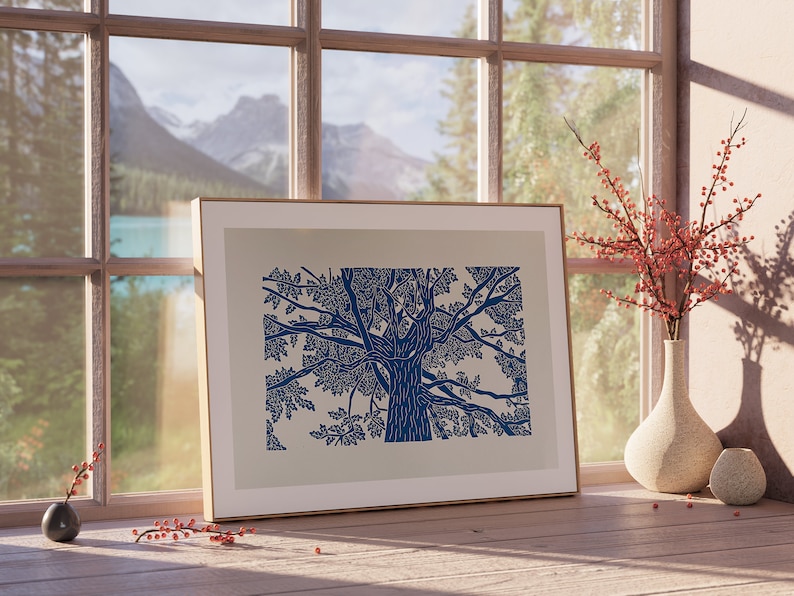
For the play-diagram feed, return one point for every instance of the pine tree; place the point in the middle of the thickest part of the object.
(542, 164)
(58, 199)
(41, 215)
(453, 175)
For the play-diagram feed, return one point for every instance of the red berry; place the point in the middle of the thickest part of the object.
(656, 505)
(134, 532)
(252, 530)
(689, 505)
(101, 446)
(148, 537)
(316, 550)
(176, 536)
(736, 513)
(689, 495)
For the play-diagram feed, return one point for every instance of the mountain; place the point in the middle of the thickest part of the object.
(252, 139)
(359, 164)
(243, 152)
(173, 124)
(138, 141)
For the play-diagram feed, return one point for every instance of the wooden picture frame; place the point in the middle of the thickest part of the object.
(356, 355)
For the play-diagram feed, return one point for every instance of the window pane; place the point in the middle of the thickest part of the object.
(603, 24)
(154, 385)
(210, 120)
(42, 385)
(399, 127)
(266, 12)
(606, 348)
(42, 211)
(447, 18)
(46, 4)
(543, 161)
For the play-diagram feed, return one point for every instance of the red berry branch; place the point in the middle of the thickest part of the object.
(163, 530)
(700, 253)
(81, 471)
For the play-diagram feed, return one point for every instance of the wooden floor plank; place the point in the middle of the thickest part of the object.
(608, 540)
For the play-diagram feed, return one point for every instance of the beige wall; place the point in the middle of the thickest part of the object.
(737, 55)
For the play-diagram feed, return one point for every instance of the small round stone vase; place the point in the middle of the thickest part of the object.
(60, 522)
(738, 478)
(673, 450)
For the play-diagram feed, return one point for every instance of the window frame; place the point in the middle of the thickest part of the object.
(307, 40)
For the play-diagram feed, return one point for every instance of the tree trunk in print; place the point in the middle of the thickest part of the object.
(407, 419)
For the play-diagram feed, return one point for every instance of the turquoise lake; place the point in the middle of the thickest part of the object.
(153, 237)
(150, 236)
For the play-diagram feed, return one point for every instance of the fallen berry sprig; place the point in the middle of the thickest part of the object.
(164, 529)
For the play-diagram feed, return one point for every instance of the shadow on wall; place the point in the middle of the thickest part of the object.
(761, 295)
(766, 286)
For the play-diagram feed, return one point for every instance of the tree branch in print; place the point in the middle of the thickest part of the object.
(393, 352)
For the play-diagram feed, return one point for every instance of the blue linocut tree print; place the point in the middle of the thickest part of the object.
(387, 353)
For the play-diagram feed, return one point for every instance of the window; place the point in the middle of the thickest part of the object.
(112, 118)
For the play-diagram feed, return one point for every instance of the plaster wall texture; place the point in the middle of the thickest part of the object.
(736, 56)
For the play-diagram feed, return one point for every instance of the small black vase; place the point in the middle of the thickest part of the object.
(60, 523)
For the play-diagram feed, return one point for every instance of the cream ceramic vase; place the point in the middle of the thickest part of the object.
(738, 478)
(673, 450)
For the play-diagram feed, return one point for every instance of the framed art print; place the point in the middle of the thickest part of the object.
(356, 355)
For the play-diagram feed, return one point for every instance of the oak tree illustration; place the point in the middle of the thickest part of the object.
(393, 350)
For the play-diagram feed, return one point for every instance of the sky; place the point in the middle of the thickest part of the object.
(398, 96)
